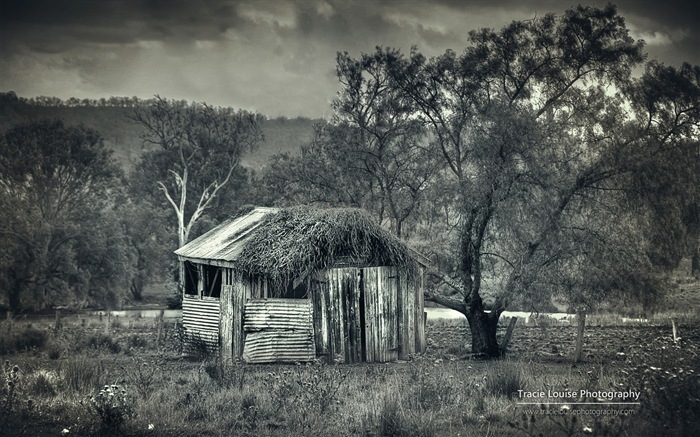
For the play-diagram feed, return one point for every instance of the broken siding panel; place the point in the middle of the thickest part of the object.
(278, 330)
(279, 347)
(201, 320)
(277, 314)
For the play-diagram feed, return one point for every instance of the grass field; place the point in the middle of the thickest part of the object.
(80, 380)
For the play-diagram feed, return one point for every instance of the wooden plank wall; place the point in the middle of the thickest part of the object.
(201, 318)
(382, 314)
(372, 314)
(278, 331)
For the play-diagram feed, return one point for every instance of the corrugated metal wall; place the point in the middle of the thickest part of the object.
(201, 319)
(278, 330)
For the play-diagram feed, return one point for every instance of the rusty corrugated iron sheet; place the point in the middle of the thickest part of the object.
(225, 241)
(278, 330)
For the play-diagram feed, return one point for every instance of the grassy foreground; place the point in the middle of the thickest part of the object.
(80, 381)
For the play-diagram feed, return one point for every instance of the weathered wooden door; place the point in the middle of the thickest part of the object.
(381, 314)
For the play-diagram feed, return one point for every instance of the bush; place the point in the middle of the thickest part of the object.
(80, 376)
(12, 341)
(100, 342)
(112, 406)
(505, 381)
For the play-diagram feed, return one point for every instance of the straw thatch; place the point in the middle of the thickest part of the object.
(299, 241)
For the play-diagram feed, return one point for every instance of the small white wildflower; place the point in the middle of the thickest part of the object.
(65, 431)
(587, 430)
(151, 427)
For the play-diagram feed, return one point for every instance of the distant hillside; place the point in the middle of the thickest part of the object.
(110, 118)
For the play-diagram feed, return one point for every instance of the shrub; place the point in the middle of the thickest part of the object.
(81, 374)
(505, 381)
(100, 342)
(144, 374)
(112, 406)
(12, 341)
(226, 375)
(136, 342)
(42, 383)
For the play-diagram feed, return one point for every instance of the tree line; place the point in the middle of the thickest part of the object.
(532, 166)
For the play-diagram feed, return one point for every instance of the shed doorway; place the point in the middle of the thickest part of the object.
(356, 315)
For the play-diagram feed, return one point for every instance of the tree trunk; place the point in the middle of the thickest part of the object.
(483, 330)
(695, 263)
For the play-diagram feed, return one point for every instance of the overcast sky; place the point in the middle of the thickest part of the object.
(272, 56)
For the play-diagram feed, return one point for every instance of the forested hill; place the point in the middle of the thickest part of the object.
(109, 116)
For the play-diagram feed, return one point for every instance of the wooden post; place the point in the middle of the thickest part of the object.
(579, 337)
(676, 338)
(9, 322)
(160, 327)
(109, 315)
(509, 333)
(82, 322)
(57, 322)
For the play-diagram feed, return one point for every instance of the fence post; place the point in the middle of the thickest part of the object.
(579, 337)
(57, 325)
(107, 321)
(509, 333)
(675, 331)
(160, 326)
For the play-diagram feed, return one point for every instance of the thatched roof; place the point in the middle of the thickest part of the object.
(295, 242)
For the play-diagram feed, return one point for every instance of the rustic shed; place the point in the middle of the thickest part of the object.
(291, 285)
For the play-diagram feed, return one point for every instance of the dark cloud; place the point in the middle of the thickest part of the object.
(276, 56)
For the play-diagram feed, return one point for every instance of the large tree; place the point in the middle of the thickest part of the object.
(374, 152)
(56, 183)
(196, 151)
(533, 121)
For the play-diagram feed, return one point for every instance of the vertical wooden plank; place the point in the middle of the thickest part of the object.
(392, 283)
(317, 316)
(356, 319)
(420, 309)
(401, 315)
(374, 319)
(226, 323)
(382, 296)
(336, 325)
(328, 318)
(323, 289)
(410, 312)
(382, 313)
(343, 300)
(369, 315)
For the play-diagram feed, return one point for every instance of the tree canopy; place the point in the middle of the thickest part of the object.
(56, 183)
